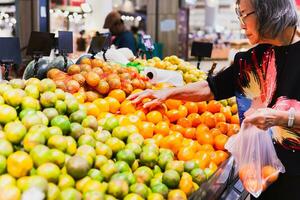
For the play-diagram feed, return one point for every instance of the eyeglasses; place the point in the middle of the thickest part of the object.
(241, 16)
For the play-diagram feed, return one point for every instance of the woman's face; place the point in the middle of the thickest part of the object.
(248, 20)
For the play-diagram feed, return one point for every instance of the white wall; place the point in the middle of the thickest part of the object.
(95, 20)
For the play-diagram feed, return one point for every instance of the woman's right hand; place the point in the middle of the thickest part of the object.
(157, 97)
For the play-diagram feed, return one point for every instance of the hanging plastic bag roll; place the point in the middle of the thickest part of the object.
(167, 76)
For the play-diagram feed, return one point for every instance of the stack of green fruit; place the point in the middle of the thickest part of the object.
(48, 142)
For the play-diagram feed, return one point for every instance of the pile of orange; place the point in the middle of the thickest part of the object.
(193, 131)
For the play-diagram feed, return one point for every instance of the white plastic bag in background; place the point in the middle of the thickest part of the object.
(256, 158)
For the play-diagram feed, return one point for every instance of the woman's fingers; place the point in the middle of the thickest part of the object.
(140, 96)
(152, 104)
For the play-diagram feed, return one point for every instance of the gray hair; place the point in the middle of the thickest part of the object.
(274, 16)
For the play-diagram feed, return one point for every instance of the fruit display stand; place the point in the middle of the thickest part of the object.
(75, 135)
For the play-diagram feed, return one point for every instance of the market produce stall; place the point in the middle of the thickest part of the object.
(75, 135)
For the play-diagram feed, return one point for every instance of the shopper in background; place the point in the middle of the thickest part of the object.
(272, 25)
(81, 41)
(123, 37)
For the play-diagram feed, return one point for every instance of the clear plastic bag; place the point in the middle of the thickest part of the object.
(256, 158)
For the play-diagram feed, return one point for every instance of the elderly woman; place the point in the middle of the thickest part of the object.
(267, 75)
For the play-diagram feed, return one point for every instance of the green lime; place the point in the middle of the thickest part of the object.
(48, 99)
(118, 188)
(171, 178)
(96, 174)
(7, 114)
(40, 154)
(103, 149)
(61, 107)
(70, 193)
(140, 189)
(143, 175)
(62, 122)
(126, 155)
(53, 192)
(65, 181)
(50, 113)
(77, 167)
(110, 124)
(59, 142)
(2, 164)
(49, 171)
(32, 91)
(6, 148)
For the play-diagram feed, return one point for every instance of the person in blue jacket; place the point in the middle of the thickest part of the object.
(123, 38)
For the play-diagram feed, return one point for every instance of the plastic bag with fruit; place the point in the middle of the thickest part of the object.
(256, 158)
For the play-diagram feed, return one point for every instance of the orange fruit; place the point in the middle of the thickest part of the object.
(80, 96)
(146, 129)
(133, 119)
(162, 128)
(114, 104)
(235, 119)
(227, 112)
(186, 153)
(214, 132)
(203, 159)
(92, 79)
(177, 194)
(201, 128)
(220, 141)
(212, 166)
(207, 147)
(233, 129)
(158, 138)
(91, 96)
(154, 117)
(234, 109)
(140, 114)
(127, 107)
(246, 171)
(96, 63)
(222, 155)
(102, 104)
(192, 107)
(184, 122)
(98, 71)
(215, 158)
(214, 106)
(208, 119)
(190, 133)
(118, 94)
(177, 128)
(174, 142)
(195, 118)
(202, 107)
(92, 109)
(86, 61)
(186, 184)
(182, 111)
(173, 103)
(252, 185)
(205, 138)
(220, 117)
(269, 173)
(223, 127)
(173, 115)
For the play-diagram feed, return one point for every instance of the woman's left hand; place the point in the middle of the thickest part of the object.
(263, 118)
